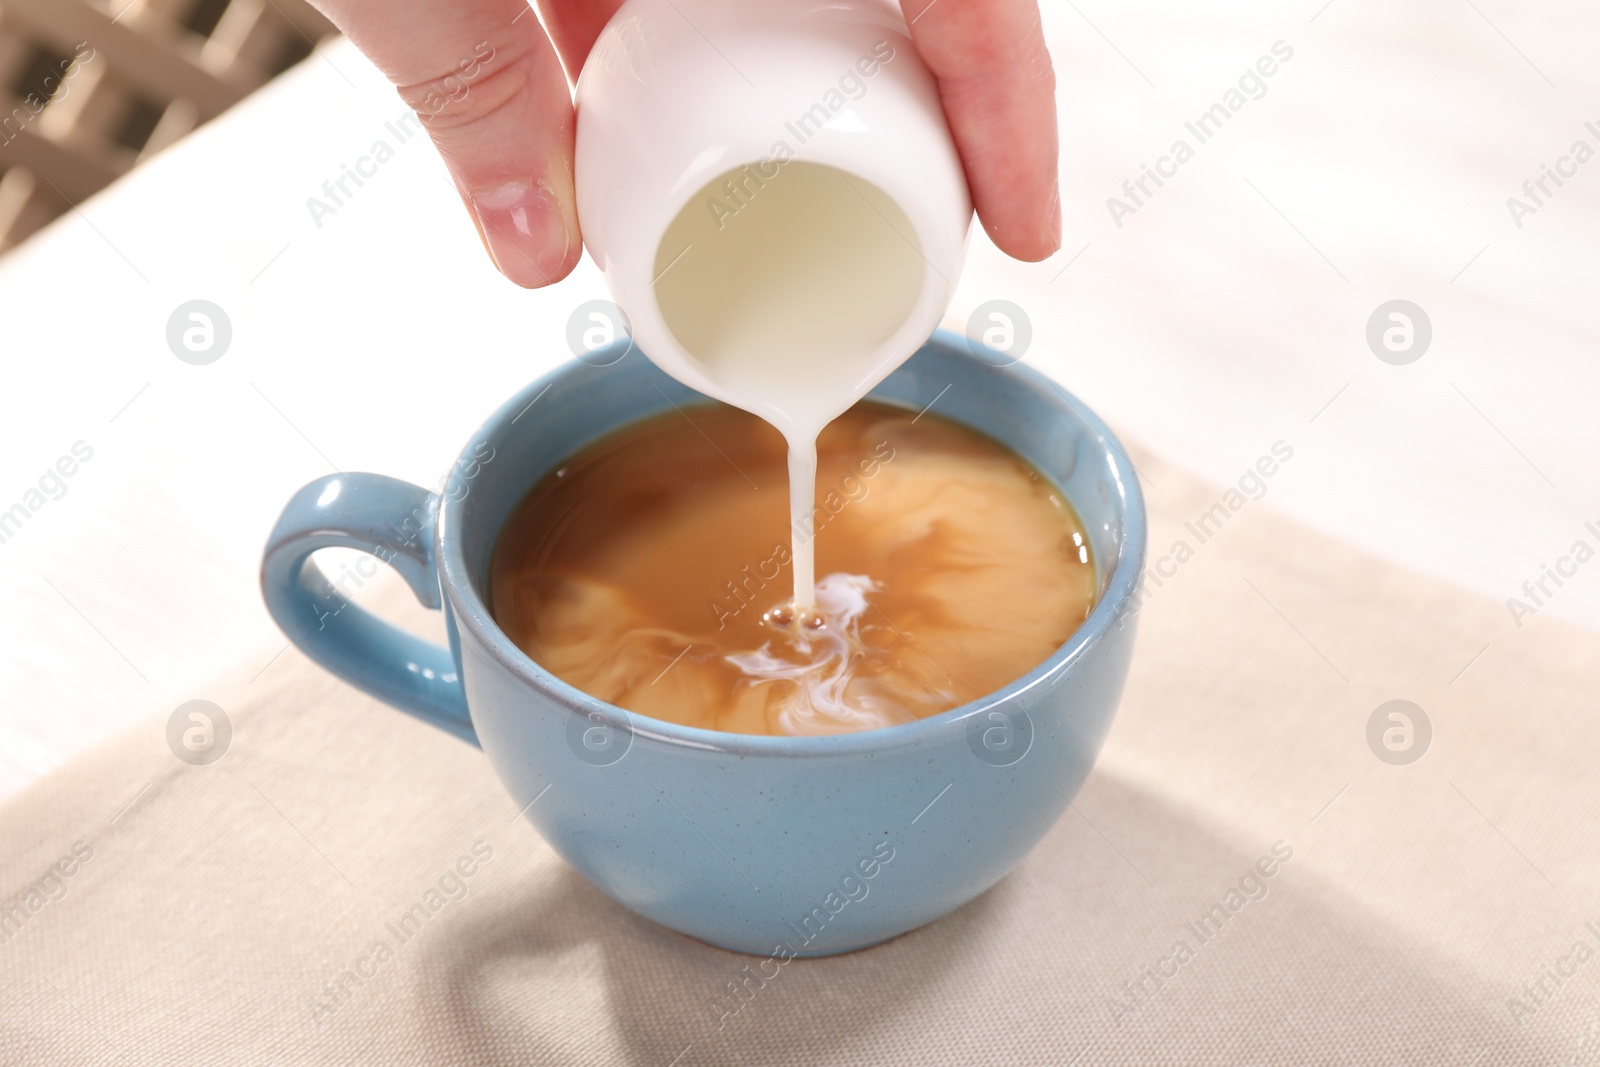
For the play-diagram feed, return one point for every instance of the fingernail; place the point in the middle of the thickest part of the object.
(525, 232)
(1053, 227)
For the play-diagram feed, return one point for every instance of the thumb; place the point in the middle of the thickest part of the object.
(486, 84)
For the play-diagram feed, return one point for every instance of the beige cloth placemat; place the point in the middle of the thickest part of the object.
(1430, 913)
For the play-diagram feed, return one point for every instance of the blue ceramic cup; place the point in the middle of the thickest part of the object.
(778, 846)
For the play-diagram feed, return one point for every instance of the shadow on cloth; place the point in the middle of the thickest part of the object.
(1041, 968)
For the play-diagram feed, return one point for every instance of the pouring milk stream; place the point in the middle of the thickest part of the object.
(777, 205)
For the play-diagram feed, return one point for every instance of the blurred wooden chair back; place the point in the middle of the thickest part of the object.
(88, 88)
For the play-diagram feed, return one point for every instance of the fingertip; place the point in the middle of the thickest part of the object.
(1025, 240)
(997, 84)
(529, 230)
(488, 87)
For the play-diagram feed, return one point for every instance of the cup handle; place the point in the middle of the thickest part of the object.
(393, 520)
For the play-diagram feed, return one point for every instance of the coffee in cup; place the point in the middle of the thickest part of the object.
(653, 570)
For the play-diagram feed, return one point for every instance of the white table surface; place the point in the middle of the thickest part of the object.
(1224, 316)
